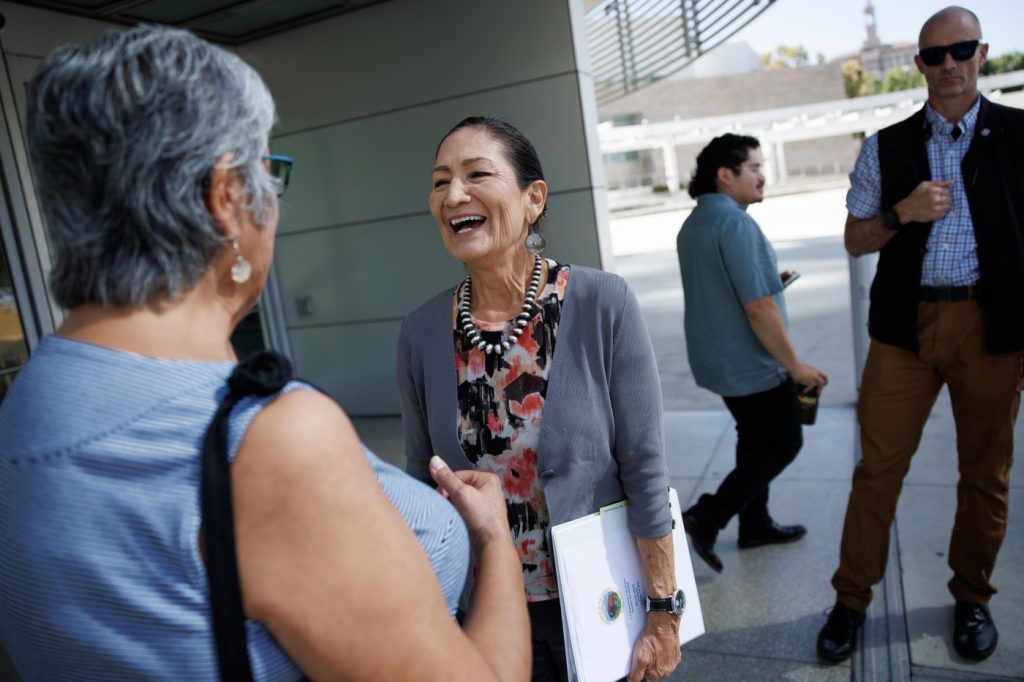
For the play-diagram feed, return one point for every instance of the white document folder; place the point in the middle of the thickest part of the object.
(603, 591)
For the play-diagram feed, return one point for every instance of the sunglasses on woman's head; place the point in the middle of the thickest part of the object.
(962, 51)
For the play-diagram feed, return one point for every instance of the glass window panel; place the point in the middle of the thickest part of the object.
(13, 349)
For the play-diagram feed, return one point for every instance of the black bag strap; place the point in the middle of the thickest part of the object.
(261, 374)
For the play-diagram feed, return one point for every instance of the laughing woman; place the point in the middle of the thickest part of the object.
(483, 386)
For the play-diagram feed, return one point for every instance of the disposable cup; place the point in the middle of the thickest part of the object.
(808, 404)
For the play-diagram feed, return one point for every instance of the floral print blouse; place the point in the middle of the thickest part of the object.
(500, 410)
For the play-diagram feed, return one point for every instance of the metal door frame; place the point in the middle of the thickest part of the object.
(21, 224)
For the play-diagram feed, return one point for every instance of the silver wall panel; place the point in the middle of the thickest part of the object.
(355, 364)
(382, 270)
(569, 229)
(34, 32)
(365, 272)
(380, 166)
(348, 346)
(410, 52)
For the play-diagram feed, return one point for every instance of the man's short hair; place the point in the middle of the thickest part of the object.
(729, 151)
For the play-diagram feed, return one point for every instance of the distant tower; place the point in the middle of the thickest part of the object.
(870, 28)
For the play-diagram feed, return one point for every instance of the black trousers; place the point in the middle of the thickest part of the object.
(769, 436)
(548, 641)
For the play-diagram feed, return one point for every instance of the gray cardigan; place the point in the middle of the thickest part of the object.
(601, 434)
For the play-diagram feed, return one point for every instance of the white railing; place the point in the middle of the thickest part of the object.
(788, 124)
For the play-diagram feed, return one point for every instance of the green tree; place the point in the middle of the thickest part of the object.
(1011, 61)
(856, 81)
(785, 57)
(902, 78)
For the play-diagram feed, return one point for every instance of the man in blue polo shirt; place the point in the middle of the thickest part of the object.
(735, 319)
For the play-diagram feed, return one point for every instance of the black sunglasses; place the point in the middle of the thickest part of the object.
(962, 51)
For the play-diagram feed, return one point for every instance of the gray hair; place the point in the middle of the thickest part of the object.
(123, 134)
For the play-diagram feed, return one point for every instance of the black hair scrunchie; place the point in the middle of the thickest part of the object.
(261, 374)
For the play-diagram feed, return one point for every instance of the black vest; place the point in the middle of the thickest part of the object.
(993, 176)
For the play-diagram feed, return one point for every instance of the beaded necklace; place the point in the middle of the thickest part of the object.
(471, 331)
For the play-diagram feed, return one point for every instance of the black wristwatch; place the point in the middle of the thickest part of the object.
(674, 603)
(891, 220)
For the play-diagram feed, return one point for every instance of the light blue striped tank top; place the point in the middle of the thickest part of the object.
(100, 572)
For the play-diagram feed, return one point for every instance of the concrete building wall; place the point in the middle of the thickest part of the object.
(364, 99)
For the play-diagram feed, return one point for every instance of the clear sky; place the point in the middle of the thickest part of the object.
(836, 26)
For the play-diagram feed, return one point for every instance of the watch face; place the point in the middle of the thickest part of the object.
(678, 602)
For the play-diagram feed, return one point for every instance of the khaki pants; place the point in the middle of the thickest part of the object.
(897, 393)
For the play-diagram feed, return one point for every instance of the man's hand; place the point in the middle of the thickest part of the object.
(929, 201)
(656, 652)
(808, 376)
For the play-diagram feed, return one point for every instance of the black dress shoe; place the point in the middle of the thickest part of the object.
(838, 637)
(772, 534)
(974, 634)
(703, 541)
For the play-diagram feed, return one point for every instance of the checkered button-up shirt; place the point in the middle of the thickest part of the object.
(951, 256)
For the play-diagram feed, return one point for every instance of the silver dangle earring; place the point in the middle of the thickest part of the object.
(241, 271)
(535, 241)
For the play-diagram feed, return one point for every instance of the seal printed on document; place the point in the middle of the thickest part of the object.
(609, 607)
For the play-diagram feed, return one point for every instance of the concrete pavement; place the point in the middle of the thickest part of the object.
(764, 611)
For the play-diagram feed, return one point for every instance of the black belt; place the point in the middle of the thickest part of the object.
(946, 294)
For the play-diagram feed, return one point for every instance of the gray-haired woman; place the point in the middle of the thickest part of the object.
(150, 150)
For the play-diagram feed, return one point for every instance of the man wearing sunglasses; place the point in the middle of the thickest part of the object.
(940, 196)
